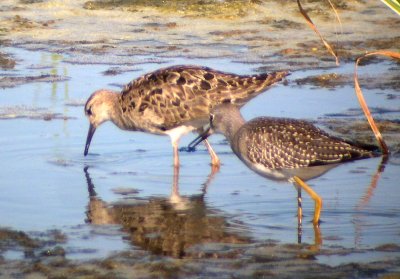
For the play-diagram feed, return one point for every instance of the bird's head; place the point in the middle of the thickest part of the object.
(98, 109)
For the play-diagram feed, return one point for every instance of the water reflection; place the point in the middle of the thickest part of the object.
(172, 225)
(359, 222)
(314, 172)
(358, 216)
(166, 226)
(374, 183)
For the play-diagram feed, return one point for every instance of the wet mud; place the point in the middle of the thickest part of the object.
(30, 113)
(390, 80)
(183, 236)
(15, 81)
(6, 62)
(45, 258)
(269, 32)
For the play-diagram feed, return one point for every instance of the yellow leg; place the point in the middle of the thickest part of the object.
(215, 162)
(317, 199)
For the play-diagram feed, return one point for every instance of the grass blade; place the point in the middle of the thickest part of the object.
(362, 101)
(313, 27)
(393, 4)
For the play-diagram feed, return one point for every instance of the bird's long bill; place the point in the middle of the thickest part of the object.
(200, 138)
(90, 134)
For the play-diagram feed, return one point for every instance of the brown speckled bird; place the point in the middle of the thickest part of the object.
(282, 148)
(173, 101)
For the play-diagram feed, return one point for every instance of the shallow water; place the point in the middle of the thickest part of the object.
(47, 183)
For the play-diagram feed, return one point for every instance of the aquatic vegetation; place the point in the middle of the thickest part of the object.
(208, 8)
(313, 27)
(393, 4)
(6, 62)
(362, 101)
(330, 80)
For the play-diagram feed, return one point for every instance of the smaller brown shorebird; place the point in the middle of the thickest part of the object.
(173, 101)
(283, 149)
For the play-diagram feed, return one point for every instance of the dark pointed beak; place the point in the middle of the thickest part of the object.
(90, 134)
(200, 138)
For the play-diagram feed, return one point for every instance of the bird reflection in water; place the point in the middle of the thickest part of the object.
(165, 226)
(363, 202)
(170, 226)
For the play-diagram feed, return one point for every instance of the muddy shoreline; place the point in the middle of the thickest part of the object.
(264, 31)
(264, 35)
(45, 258)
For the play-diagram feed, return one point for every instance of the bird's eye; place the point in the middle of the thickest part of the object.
(89, 111)
(211, 117)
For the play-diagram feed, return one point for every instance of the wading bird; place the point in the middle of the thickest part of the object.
(173, 101)
(283, 148)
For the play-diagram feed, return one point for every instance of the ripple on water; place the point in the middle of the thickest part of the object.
(112, 156)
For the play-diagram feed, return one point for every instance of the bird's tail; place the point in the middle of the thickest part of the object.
(257, 84)
(366, 149)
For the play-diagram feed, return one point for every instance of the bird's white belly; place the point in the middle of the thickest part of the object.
(304, 173)
(269, 173)
(176, 133)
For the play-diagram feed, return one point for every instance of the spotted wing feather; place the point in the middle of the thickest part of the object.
(179, 94)
(277, 143)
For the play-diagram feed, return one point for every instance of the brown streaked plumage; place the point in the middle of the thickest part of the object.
(173, 101)
(282, 148)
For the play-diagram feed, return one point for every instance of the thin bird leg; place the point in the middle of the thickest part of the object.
(317, 199)
(176, 154)
(299, 215)
(215, 162)
(299, 206)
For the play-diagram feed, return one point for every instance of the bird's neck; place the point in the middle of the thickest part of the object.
(117, 115)
(115, 111)
(235, 121)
